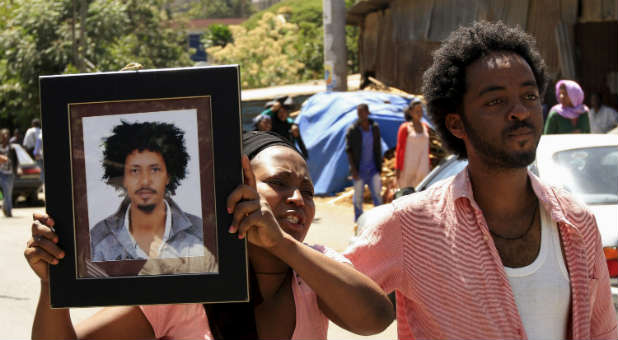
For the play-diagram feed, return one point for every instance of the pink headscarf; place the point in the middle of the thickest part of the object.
(576, 95)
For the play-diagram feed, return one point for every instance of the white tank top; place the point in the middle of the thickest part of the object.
(541, 289)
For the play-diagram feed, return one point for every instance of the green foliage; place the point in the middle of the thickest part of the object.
(267, 54)
(217, 35)
(221, 9)
(36, 39)
(307, 14)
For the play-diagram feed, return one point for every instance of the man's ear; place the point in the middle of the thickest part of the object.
(454, 125)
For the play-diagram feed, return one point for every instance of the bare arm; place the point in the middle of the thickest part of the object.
(109, 323)
(349, 298)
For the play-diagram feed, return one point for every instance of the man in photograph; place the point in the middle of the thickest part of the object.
(146, 162)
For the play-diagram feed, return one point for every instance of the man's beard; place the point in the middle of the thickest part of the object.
(498, 157)
(147, 208)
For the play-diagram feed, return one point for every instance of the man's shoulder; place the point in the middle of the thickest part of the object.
(104, 229)
(429, 202)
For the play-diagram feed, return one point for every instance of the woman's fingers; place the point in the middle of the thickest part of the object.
(243, 209)
(47, 246)
(43, 231)
(44, 219)
(248, 172)
(241, 193)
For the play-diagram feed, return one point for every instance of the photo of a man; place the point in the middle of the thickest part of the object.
(145, 161)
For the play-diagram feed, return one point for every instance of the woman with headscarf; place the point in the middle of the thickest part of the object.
(295, 288)
(570, 115)
(412, 152)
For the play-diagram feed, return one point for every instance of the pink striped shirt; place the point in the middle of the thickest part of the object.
(435, 250)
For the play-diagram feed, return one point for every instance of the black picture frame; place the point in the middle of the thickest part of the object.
(217, 89)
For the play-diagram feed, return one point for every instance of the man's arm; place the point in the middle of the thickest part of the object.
(350, 153)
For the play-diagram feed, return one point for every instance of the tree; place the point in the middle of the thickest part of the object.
(217, 35)
(307, 14)
(36, 39)
(221, 9)
(267, 54)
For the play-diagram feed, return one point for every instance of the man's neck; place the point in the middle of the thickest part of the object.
(596, 108)
(499, 191)
(152, 222)
(364, 124)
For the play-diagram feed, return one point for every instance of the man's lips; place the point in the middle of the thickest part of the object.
(145, 193)
(524, 131)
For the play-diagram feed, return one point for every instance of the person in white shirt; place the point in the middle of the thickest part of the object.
(602, 118)
(31, 136)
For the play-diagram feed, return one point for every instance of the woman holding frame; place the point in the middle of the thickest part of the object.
(295, 288)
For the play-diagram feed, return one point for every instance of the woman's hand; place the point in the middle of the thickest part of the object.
(41, 249)
(253, 217)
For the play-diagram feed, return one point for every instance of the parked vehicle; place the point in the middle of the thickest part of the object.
(28, 179)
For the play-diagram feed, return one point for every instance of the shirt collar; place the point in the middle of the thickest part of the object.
(462, 189)
(166, 233)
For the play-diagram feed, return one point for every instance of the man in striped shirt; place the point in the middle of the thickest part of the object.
(491, 253)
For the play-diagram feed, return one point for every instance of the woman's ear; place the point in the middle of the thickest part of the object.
(454, 125)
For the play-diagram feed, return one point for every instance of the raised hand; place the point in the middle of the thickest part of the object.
(253, 217)
(42, 249)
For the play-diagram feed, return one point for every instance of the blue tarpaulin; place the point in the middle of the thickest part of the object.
(323, 122)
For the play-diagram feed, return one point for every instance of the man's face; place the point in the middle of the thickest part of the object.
(501, 118)
(4, 136)
(145, 179)
(282, 114)
(363, 114)
(595, 101)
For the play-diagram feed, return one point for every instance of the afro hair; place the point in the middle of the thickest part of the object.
(163, 138)
(444, 83)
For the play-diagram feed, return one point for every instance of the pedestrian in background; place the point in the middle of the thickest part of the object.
(16, 138)
(31, 135)
(364, 150)
(262, 123)
(412, 152)
(602, 118)
(283, 124)
(38, 155)
(570, 115)
(8, 170)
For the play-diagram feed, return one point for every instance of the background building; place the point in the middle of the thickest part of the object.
(577, 38)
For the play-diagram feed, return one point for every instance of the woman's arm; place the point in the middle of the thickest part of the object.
(347, 297)
(109, 323)
(400, 150)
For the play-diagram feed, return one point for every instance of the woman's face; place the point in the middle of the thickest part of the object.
(564, 97)
(282, 178)
(265, 124)
(417, 112)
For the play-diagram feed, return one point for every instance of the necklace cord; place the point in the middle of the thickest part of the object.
(536, 208)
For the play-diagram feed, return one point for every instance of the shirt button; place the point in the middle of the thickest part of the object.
(485, 238)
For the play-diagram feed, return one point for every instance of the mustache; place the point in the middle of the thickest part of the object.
(146, 190)
(518, 125)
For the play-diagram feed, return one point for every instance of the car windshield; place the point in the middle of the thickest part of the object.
(23, 158)
(590, 173)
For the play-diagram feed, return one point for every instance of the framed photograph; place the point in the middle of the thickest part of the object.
(138, 168)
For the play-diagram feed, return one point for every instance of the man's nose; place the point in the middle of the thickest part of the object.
(519, 111)
(145, 177)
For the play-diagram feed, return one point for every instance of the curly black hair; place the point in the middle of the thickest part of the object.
(444, 83)
(164, 138)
